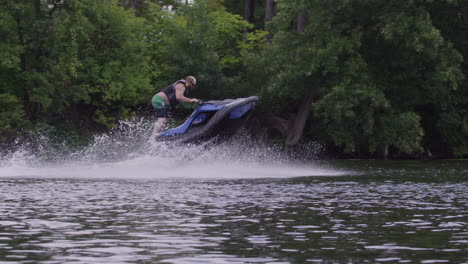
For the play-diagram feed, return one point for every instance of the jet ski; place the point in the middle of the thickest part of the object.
(212, 120)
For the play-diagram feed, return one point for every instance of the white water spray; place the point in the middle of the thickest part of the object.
(124, 153)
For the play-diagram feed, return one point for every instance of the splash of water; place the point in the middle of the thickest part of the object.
(125, 153)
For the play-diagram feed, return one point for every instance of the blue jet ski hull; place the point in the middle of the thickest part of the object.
(212, 119)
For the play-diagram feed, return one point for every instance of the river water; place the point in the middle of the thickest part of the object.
(251, 207)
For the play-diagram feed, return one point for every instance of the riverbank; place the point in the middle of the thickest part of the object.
(63, 138)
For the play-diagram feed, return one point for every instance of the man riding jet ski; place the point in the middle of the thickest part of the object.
(168, 98)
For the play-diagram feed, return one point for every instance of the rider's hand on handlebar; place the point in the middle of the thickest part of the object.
(198, 101)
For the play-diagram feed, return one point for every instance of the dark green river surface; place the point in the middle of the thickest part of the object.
(330, 212)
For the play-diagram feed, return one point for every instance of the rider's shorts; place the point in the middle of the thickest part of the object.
(161, 109)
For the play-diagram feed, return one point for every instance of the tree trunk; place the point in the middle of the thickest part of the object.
(385, 152)
(269, 11)
(132, 4)
(292, 128)
(37, 8)
(249, 9)
(301, 21)
(296, 127)
(270, 5)
(23, 67)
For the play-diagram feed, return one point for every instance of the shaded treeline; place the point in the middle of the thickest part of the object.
(364, 78)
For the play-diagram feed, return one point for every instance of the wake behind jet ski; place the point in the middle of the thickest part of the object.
(211, 120)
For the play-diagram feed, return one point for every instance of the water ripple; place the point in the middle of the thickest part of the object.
(299, 220)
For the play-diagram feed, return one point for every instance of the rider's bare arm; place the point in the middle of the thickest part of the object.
(180, 89)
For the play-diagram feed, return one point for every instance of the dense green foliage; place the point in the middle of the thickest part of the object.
(384, 74)
(387, 77)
